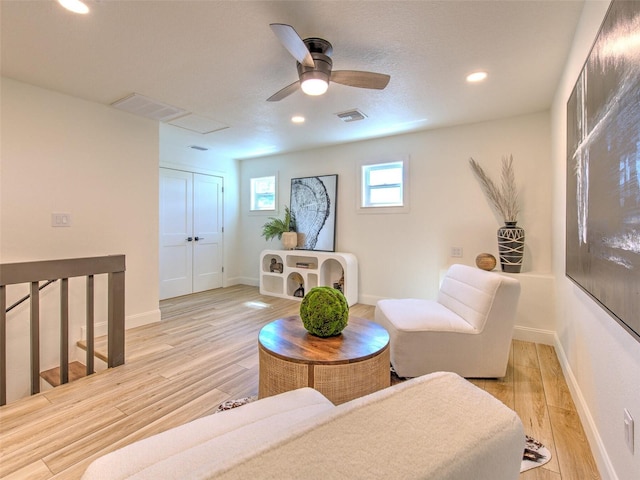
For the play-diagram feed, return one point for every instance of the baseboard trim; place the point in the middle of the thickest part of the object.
(369, 299)
(535, 335)
(252, 282)
(607, 472)
(138, 320)
(145, 318)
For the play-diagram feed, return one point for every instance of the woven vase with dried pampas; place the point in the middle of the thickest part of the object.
(505, 202)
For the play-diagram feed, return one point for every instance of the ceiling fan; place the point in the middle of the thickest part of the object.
(314, 63)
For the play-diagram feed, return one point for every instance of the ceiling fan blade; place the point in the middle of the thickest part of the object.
(293, 43)
(355, 78)
(285, 92)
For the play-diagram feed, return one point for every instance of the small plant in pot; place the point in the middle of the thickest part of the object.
(284, 229)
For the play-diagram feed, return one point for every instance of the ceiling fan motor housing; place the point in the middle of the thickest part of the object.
(318, 45)
(322, 69)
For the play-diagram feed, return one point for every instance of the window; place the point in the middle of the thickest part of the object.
(383, 187)
(263, 193)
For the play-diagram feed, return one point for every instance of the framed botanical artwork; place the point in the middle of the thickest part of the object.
(313, 204)
(603, 170)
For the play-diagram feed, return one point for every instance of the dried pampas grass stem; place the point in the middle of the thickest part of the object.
(504, 199)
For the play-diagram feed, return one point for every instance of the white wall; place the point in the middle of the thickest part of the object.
(404, 255)
(175, 153)
(63, 154)
(601, 360)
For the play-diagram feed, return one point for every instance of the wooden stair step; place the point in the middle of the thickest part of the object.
(52, 376)
(99, 348)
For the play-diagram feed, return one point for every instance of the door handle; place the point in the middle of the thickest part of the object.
(199, 238)
(189, 239)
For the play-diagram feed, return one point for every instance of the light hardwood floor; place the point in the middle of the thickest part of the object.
(203, 353)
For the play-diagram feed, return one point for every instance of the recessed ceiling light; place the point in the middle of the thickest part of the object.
(297, 119)
(76, 6)
(476, 77)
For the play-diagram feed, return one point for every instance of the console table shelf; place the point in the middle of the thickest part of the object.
(282, 270)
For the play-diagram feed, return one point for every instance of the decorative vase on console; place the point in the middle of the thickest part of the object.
(504, 201)
(289, 240)
(511, 247)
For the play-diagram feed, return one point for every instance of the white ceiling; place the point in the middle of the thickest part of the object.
(220, 60)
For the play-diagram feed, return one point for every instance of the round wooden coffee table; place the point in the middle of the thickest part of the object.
(342, 368)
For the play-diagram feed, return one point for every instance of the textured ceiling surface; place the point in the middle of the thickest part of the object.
(220, 60)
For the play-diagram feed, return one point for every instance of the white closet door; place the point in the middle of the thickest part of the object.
(190, 232)
(207, 230)
(176, 228)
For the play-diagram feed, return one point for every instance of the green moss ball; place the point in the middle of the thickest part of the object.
(324, 311)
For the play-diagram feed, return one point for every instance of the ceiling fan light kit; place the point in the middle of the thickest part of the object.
(314, 86)
(315, 80)
(314, 66)
(75, 6)
(476, 77)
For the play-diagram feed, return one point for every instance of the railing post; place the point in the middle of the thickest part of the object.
(116, 319)
(90, 329)
(3, 345)
(35, 338)
(64, 331)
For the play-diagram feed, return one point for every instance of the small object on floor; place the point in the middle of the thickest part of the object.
(395, 378)
(238, 402)
(535, 454)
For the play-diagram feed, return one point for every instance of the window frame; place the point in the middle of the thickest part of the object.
(263, 211)
(361, 207)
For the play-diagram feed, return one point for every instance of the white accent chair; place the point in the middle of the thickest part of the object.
(466, 330)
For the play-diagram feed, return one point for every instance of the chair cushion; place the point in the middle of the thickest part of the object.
(417, 315)
(433, 427)
(223, 437)
(469, 292)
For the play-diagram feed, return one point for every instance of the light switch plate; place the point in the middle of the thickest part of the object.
(60, 219)
(628, 429)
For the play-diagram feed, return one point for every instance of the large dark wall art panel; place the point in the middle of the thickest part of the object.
(603, 169)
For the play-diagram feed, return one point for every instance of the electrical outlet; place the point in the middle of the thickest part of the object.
(60, 219)
(628, 429)
(456, 252)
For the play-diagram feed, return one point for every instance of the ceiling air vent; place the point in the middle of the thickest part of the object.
(147, 107)
(351, 116)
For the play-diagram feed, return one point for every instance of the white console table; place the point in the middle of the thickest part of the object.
(314, 268)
